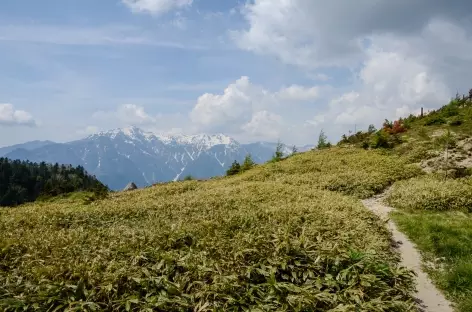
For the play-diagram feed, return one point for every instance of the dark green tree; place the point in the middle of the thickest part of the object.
(234, 169)
(279, 152)
(188, 178)
(24, 181)
(323, 141)
(248, 163)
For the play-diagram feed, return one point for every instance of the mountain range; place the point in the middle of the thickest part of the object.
(119, 156)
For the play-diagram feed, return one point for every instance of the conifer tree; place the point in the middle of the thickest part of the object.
(323, 141)
(24, 181)
(248, 163)
(234, 169)
(279, 154)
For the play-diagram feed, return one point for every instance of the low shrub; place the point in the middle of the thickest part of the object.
(214, 246)
(447, 140)
(379, 140)
(444, 238)
(394, 128)
(455, 121)
(434, 119)
(360, 137)
(415, 152)
(188, 178)
(352, 171)
(75, 197)
(423, 134)
(449, 110)
(384, 139)
(431, 193)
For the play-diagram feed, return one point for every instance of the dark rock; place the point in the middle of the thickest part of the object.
(130, 187)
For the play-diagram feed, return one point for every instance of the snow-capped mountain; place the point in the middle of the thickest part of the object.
(119, 156)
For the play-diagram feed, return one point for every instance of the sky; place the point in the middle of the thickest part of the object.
(255, 70)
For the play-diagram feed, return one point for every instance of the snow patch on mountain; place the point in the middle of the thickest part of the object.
(200, 141)
(178, 175)
(119, 156)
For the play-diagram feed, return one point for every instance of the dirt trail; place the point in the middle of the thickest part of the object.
(429, 298)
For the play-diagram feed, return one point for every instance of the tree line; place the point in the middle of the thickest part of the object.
(249, 163)
(278, 155)
(25, 181)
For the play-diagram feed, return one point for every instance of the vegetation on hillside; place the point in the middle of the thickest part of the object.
(350, 171)
(445, 238)
(268, 239)
(249, 163)
(189, 177)
(323, 141)
(432, 193)
(435, 210)
(279, 153)
(237, 168)
(457, 115)
(23, 181)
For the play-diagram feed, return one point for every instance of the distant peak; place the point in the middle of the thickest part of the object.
(131, 131)
(203, 140)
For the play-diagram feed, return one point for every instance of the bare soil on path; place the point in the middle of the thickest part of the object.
(429, 298)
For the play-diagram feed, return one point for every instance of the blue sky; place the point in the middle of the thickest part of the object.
(256, 70)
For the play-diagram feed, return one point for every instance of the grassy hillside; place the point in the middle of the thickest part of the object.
(432, 193)
(435, 209)
(355, 172)
(276, 238)
(419, 139)
(436, 214)
(445, 239)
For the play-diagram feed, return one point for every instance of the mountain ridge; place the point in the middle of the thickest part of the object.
(27, 145)
(121, 155)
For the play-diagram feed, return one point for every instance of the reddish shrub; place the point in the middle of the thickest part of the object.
(394, 128)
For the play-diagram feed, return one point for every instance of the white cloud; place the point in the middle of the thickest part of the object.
(313, 33)
(233, 107)
(319, 76)
(296, 32)
(249, 110)
(88, 130)
(390, 86)
(128, 114)
(264, 125)
(135, 115)
(156, 7)
(299, 93)
(402, 55)
(9, 116)
(316, 121)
